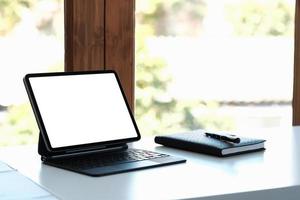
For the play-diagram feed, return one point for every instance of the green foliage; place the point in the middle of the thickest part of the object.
(172, 17)
(10, 13)
(19, 126)
(253, 17)
(156, 111)
(151, 83)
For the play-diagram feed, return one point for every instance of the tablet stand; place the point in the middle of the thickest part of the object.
(42, 149)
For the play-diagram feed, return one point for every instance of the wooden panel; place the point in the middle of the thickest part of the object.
(84, 35)
(99, 34)
(296, 95)
(119, 42)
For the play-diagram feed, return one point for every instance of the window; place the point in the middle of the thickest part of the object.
(157, 110)
(31, 40)
(214, 64)
(99, 35)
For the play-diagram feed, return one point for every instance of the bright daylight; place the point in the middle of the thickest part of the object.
(217, 65)
(199, 63)
(149, 99)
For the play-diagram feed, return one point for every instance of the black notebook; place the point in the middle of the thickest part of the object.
(197, 141)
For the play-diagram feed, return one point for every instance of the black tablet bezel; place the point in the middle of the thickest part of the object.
(81, 147)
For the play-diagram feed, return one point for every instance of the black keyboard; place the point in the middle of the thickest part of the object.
(105, 159)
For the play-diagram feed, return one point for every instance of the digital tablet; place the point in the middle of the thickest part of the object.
(80, 110)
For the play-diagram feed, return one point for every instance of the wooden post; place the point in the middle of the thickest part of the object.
(99, 34)
(296, 89)
(119, 41)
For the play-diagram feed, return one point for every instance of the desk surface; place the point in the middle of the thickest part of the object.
(273, 173)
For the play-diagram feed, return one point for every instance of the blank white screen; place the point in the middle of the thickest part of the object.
(81, 109)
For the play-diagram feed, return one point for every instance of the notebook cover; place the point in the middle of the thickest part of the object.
(196, 141)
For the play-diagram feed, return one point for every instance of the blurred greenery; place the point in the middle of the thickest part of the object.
(10, 13)
(19, 126)
(157, 112)
(172, 17)
(260, 18)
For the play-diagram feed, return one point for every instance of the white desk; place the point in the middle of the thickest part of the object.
(272, 174)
